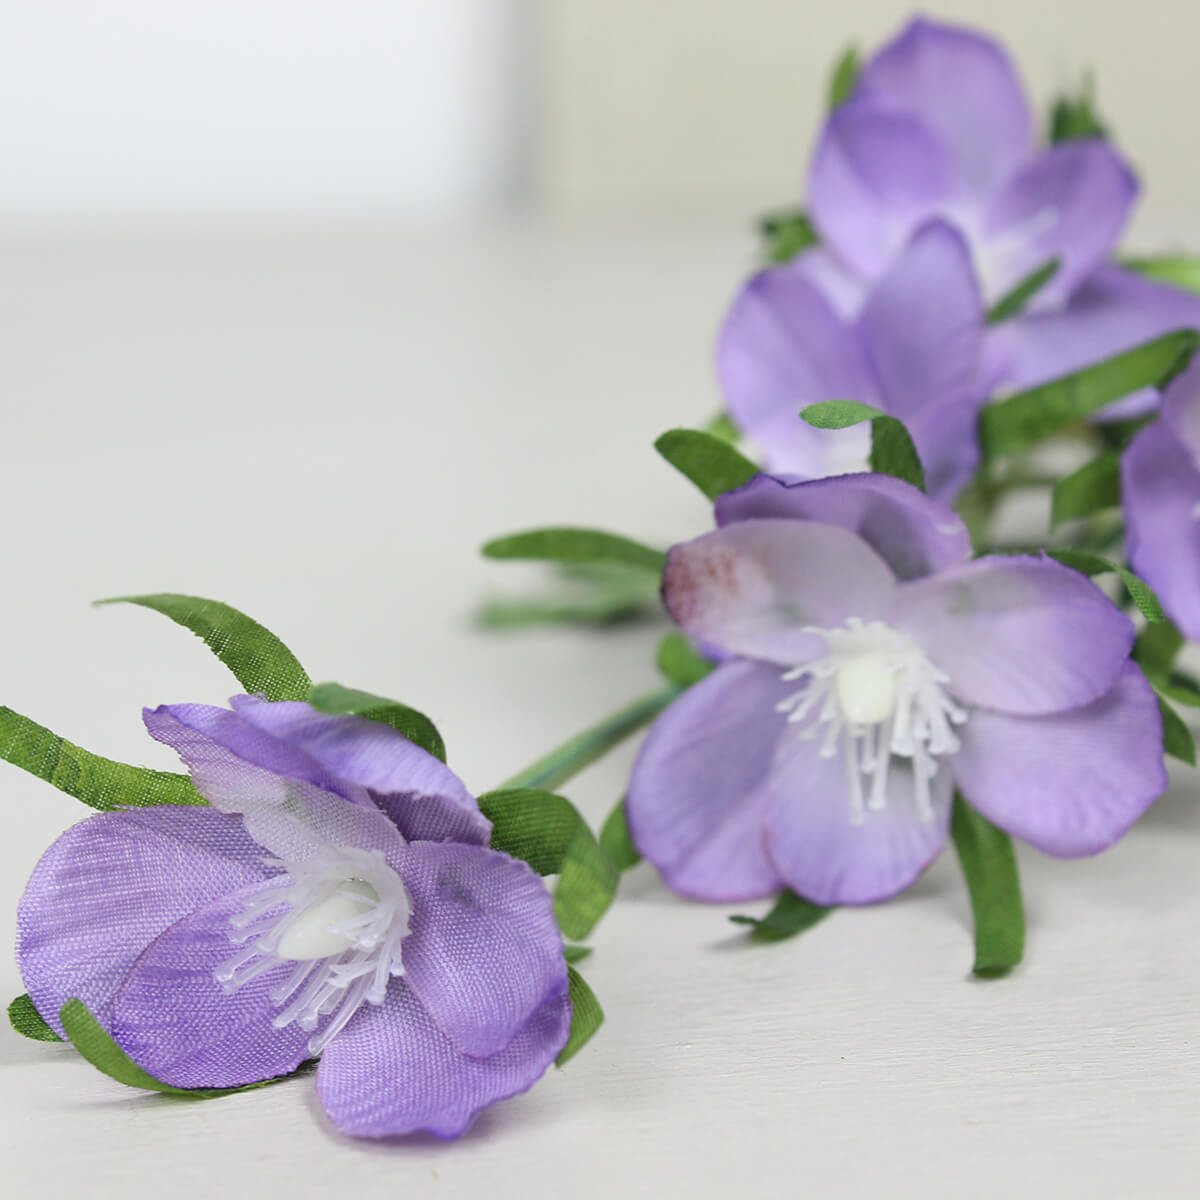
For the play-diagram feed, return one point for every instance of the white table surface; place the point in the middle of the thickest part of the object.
(322, 435)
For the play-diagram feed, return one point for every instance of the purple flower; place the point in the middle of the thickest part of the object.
(1160, 485)
(914, 350)
(338, 898)
(870, 668)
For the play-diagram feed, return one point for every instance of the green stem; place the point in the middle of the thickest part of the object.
(584, 748)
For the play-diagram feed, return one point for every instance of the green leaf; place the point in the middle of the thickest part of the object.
(790, 915)
(577, 546)
(1178, 270)
(580, 594)
(989, 866)
(88, 1036)
(714, 466)
(416, 726)
(892, 449)
(1014, 301)
(723, 429)
(787, 234)
(1177, 737)
(1095, 486)
(616, 841)
(679, 663)
(574, 954)
(258, 659)
(1095, 564)
(547, 832)
(1181, 688)
(27, 1021)
(1019, 422)
(1075, 116)
(99, 782)
(586, 1016)
(1157, 647)
(845, 76)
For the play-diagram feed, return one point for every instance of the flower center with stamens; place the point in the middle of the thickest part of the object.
(340, 917)
(872, 695)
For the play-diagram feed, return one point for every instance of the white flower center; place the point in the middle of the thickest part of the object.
(876, 694)
(341, 917)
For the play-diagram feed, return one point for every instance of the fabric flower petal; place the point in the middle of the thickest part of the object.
(878, 174)
(110, 885)
(697, 797)
(483, 951)
(913, 534)
(1073, 783)
(392, 1071)
(964, 87)
(845, 291)
(754, 586)
(1023, 635)
(818, 850)
(175, 1020)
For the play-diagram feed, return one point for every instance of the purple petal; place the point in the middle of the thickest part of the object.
(1023, 635)
(392, 1071)
(173, 1018)
(753, 587)
(923, 331)
(1070, 203)
(845, 291)
(1069, 784)
(963, 86)
(1181, 408)
(823, 855)
(697, 797)
(782, 347)
(424, 798)
(1160, 485)
(110, 885)
(277, 788)
(913, 534)
(877, 175)
(483, 950)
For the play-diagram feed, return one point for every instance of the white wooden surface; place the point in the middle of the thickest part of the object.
(322, 436)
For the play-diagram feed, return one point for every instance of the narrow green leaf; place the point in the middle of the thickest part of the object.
(98, 782)
(787, 234)
(579, 594)
(1095, 486)
(574, 954)
(892, 449)
(722, 428)
(547, 832)
(1156, 648)
(416, 726)
(258, 659)
(845, 76)
(1179, 687)
(1074, 117)
(586, 1016)
(27, 1021)
(1019, 422)
(576, 545)
(1177, 737)
(989, 866)
(1095, 564)
(1179, 270)
(678, 661)
(714, 466)
(790, 915)
(615, 839)
(1010, 304)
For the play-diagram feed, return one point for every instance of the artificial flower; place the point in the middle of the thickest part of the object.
(913, 351)
(337, 899)
(868, 668)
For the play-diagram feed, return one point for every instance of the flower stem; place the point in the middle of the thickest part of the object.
(584, 748)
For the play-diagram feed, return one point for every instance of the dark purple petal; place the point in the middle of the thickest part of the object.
(392, 1071)
(1160, 486)
(963, 86)
(1069, 784)
(819, 851)
(697, 797)
(1070, 203)
(1022, 634)
(913, 534)
(110, 885)
(174, 1019)
(782, 347)
(877, 175)
(483, 951)
(752, 587)
(923, 327)
(424, 798)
